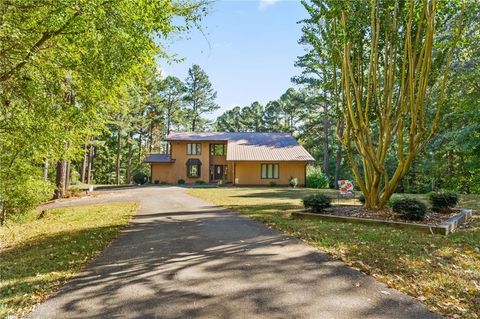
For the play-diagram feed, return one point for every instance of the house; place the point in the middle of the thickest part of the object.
(238, 158)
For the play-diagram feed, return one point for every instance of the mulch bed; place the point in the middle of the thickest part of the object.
(385, 214)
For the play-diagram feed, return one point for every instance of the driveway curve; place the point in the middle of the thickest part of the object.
(182, 257)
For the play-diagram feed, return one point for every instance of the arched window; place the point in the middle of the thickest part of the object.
(194, 167)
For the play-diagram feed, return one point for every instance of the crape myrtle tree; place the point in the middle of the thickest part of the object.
(393, 54)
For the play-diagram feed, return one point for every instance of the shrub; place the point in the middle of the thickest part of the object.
(181, 181)
(315, 178)
(200, 182)
(293, 182)
(156, 181)
(316, 202)
(140, 178)
(443, 201)
(408, 208)
(19, 196)
(74, 191)
(272, 184)
(361, 199)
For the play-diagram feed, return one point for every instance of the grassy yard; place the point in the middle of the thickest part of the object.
(37, 256)
(443, 272)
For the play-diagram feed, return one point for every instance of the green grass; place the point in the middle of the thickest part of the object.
(443, 272)
(37, 256)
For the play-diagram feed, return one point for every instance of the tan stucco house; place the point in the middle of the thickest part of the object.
(237, 158)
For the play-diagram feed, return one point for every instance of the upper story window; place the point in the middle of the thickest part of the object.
(194, 149)
(269, 171)
(218, 149)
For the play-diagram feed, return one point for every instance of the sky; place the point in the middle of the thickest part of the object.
(248, 49)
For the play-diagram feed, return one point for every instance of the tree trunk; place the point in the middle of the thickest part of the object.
(129, 159)
(60, 179)
(325, 139)
(117, 161)
(3, 214)
(338, 158)
(169, 122)
(194, 123)
(194, 116)
(84, 164)
(150, 137)
(140, 146)
(67, 175)
(45, 170)
(90, 164)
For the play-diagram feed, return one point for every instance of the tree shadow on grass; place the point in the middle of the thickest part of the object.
(219, 266)
(279, 193)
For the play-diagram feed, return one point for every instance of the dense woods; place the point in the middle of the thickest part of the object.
(69, 71)
(387, 94)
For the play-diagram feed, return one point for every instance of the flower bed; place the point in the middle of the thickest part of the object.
(386, 214)
(442, 225)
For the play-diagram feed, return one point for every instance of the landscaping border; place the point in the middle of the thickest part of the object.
(445, 228)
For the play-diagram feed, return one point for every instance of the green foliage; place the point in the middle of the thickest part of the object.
(140, 177)
(361, 199)
(315, 178)
(200, 182)
(352, 47)
(21, 193)
(67, 70)
(200, 96)
(443, 201)
(316, 202)
(181, 181)
(293, 182)
(410, 209)
(272, 184)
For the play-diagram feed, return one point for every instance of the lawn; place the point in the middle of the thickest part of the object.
(37, 256)
(443, 272)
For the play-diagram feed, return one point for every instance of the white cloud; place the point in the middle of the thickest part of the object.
(264, 4)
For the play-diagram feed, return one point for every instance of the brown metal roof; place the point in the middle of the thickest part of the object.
(199, 136)
(250, 146)
(159, 158)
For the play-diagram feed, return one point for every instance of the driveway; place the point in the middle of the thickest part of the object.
(181, 257)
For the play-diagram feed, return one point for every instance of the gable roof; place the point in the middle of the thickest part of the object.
(251, 146)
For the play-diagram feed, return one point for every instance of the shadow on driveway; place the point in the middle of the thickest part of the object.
(181, 258)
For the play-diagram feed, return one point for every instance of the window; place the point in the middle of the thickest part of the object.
(269, 171)
(218, 149)
(194, 149)
(193, 168)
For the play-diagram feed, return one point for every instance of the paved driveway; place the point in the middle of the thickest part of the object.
(181, 257)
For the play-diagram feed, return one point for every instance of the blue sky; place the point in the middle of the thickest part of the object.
(248, 50)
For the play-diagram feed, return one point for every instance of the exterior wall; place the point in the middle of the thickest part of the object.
(172, 172)
(246, 173)
(249, 173)
(164, 172)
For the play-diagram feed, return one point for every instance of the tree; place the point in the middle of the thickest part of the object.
(392, 54)
(200, 96)
(89, 50)
(230, 121)
(172, 93)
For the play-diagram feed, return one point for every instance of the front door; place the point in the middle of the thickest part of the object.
(217, 172)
